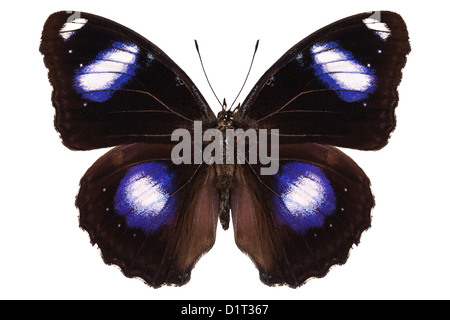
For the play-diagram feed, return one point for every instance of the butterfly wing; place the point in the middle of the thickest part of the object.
(299, 222)
(112, 86)
(338, 86)
(150, 217)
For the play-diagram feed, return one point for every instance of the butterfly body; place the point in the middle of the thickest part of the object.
(225, 172)
(154, 215)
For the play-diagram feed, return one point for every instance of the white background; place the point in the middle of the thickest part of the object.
(44, 254)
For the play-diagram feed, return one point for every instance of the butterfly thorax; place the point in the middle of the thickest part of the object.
(225, 172)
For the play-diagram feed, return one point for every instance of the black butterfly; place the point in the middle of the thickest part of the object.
(155, 219)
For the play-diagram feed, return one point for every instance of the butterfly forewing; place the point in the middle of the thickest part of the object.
(112, 86)
(338, 86)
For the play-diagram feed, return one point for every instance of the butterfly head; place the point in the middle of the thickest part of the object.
(225, 119)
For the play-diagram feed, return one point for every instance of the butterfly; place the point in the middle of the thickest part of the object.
(155, 218)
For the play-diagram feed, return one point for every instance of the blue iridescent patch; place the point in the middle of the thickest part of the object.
(338, 69)
(305, 196)
(144, 198)
(110, 70)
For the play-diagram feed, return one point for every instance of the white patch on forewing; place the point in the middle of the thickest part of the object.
(69, 28)
(101, 74)
(380, 28)
(345, 71)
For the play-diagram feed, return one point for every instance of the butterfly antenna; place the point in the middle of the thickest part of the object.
(248, 73)
(203, 67)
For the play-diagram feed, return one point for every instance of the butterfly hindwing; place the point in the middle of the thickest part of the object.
(152, 218)
(299, 222)
(112, 86)
(338, 86)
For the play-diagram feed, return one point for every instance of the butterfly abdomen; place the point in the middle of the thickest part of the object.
(225, 182)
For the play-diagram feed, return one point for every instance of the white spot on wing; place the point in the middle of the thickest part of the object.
(145, 195)
(304, 195)
(69, 28)
(101, 73)
(380, 28)
(342, 68)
